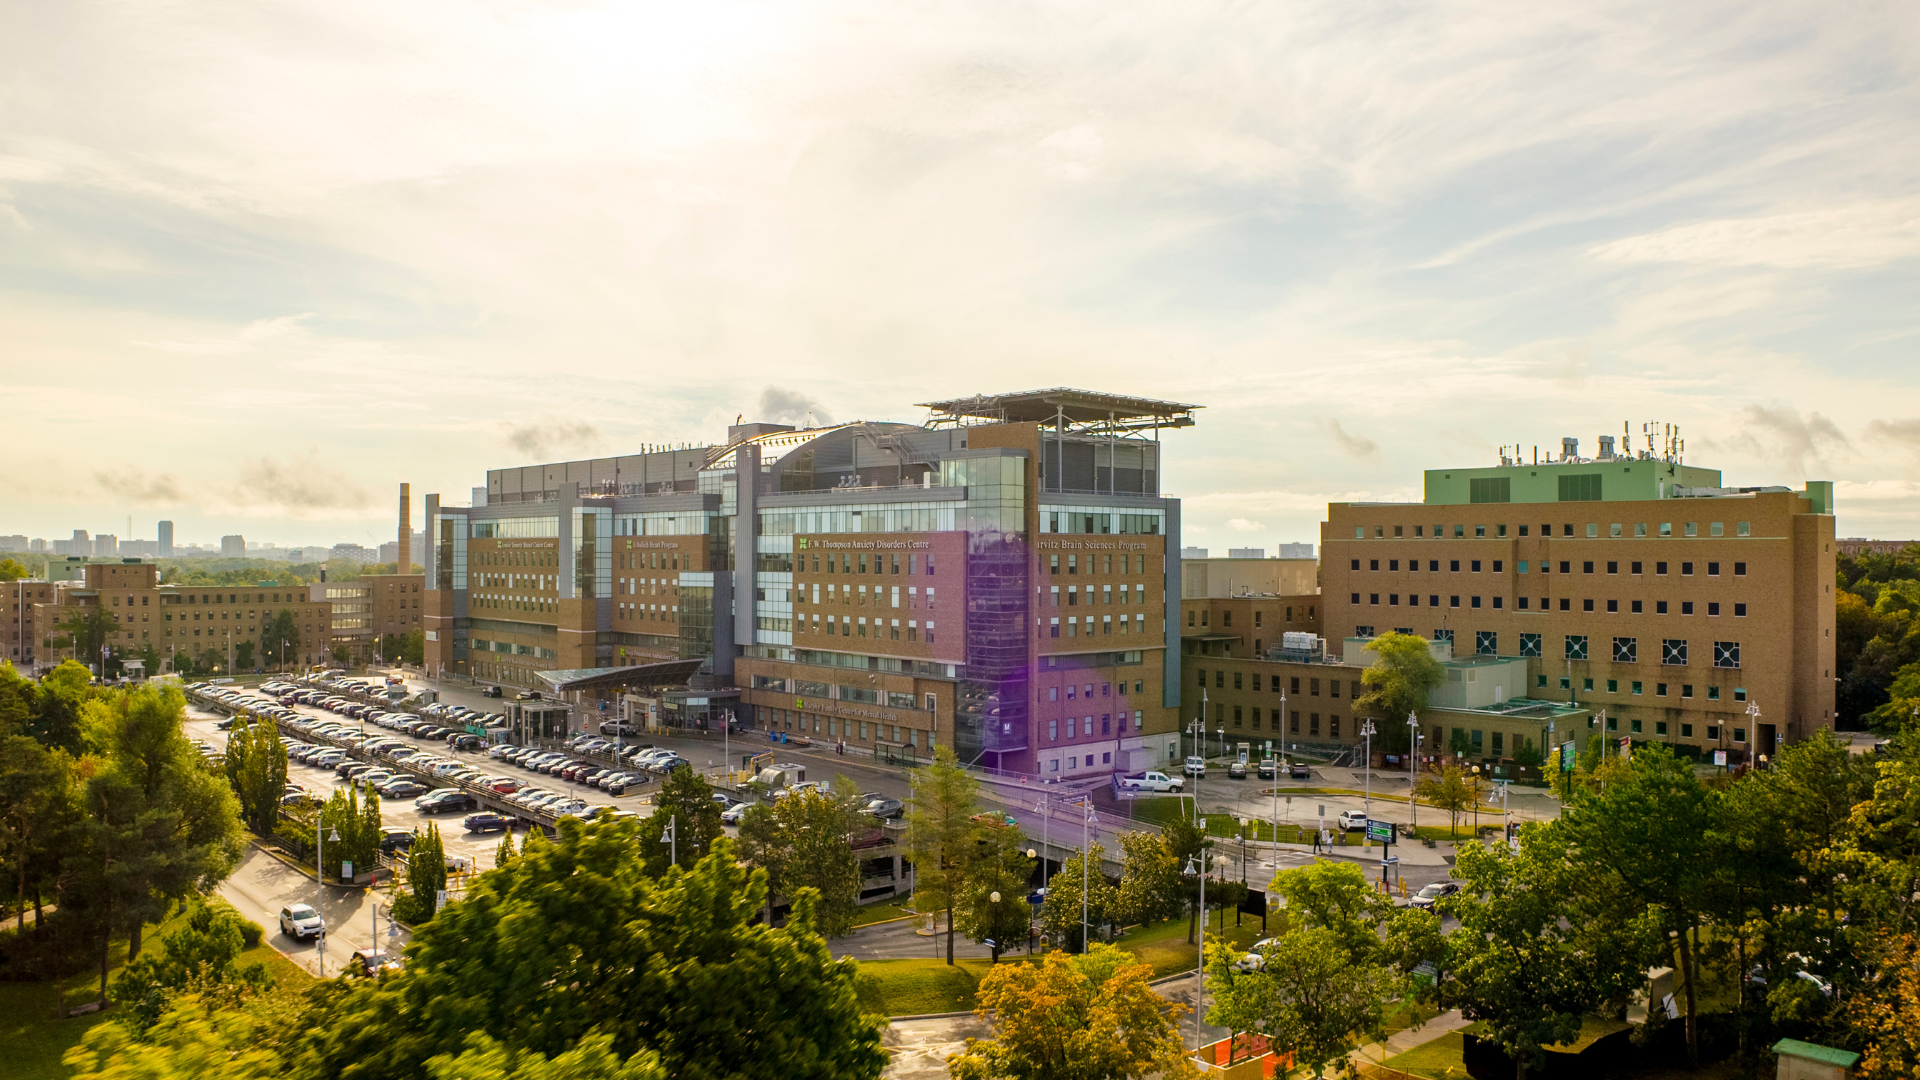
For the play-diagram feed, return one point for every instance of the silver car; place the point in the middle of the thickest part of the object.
(301, 921)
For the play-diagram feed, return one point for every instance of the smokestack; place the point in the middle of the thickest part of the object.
(405, 563)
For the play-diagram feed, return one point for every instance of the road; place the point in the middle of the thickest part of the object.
(263, 885)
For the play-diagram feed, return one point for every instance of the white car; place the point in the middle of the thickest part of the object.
(1196, 765)
(732, 814)
(1256, 957)
(1353, 819)
(301, 921)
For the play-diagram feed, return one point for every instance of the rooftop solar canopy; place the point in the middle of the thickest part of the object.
(1078, 406)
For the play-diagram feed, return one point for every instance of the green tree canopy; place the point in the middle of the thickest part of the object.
(942, 838)
(1088, 1017)
(256, 767)
(1402, 674)
(575, 938)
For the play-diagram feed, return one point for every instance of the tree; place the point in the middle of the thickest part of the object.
(358, 826)
(593, 1059)
(686, 799)
(1517, 963)
(1087, 1017)
(1061, 914)
(426, 877)
(1641, 845)
(1446, 786)
(1339, 898)
(1885, 1015)
(804, 841)
(942, 836)
(576, 938)
(88, 628)
(202, 957)
(12, 571)
(243, 656)
(1311, 996)
(1000, 868)
(57, 704)
(1151, 886)
(1188, 843)
(504, 854)
(256, 766)
(159, 826)
(1403, 672)
(280, 639)
(35, 808)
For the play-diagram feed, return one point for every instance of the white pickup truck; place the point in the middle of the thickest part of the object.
(1152, 781)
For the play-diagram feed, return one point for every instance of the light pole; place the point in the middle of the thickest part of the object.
(672, 840)
(1198, 728)
(1413, 766)
(1367, 732)
(1753, 714)
(1085, 858)
(320, 886)
(1200, 971)
(1046, 819)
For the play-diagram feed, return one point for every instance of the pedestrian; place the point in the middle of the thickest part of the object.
(1316, 841)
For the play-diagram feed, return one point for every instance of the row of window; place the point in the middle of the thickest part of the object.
(1525, 603)
(1096, 564)
(1081, 727)
(1226, 616)
(1313, 684)
(916, 564)
(848, 626)
(1273, 720)
(1636, 688)
(1106, 625)
(1546, 566)
(1086, 689)
(1614, 529)
(1102, 594)
(845, 594)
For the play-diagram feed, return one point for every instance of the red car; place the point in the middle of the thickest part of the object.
(505, 785)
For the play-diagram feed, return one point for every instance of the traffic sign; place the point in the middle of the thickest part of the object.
(1380, 830)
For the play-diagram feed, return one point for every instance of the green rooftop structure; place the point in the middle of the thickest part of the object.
(1811, 1061)
(1618, 480)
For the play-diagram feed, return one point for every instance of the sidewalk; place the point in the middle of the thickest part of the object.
(1402, 1041)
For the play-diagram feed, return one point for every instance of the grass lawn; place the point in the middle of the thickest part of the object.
(36, 1038)
(918, 987)
(873, 913)
(1439, 1059)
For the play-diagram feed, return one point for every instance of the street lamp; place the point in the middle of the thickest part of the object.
(320, 887)
(1413, 766)
(1200, 972)
(1085, 858)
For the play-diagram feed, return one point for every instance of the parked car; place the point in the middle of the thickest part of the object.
(1196, 765)
(1351, 820)
(487, 821)
(1256, 957)
(886, 809)
(1237, 771)
(1151, 781)
(393, 839)
(1299, 771)
(732, 814)
(491, 691)
(1428, 894)
(301, 921)
(1268, 769)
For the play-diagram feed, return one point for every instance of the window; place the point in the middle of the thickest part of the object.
(1613, 686)
(1673, 652)
(1529, 644)
(1593, 530)
(1613, 529)
(1739, 693)
(1613, 567)
(1476, 566)
(1626, 650)
(1693, 528)
(1742, 528)
(1726, 654)
(1356, 600)
(1637, 687)
(1739, 611)
(1713, 693)
(1486, 643)
(1713, 731)
(1580, 488)
(1686, 731)
(1637, 610)
(1659, 607)
(1523, 603)
(1455, 601)
(1454, 566)
(1586, 567)
(1636, 567)
(1613, 607)
(1523, 566)
(1480, 530)
(1713, 569)
(1373, 564)
(1739, 569)
(1476, 601)
(1566, 604)
(1686, 607)
(1686, 568)
(1576, 647)
(1686, 690)
(1713, 607)
(1586, 605)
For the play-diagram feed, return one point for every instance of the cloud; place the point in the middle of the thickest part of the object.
(1243, 525)
(304, 485)
(551, 433)
(1779, 433)
(1845, 238)
(1354, 446)
(1902, 433)
(779, 405)
(135, 485)
(254, 336)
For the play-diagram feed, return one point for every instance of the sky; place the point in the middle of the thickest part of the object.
(261, 262)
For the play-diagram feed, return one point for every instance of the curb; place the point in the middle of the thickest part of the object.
(305, 871)
(931, 1016)
(885, 922)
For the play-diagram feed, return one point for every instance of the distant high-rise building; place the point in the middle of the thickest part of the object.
(1246, 553)
(1296, 551)
(81, 544)
(354, 553)
(13, 543)
(1193, 553)
(233, 547)
(403, 546)
(166, 539)
(106, 545)
(144, 549)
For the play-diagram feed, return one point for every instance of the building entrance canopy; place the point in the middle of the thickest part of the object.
(665, 673)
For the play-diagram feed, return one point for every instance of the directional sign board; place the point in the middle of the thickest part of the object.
(1380, 830)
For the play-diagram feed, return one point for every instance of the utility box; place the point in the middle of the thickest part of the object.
(1811, 1061)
